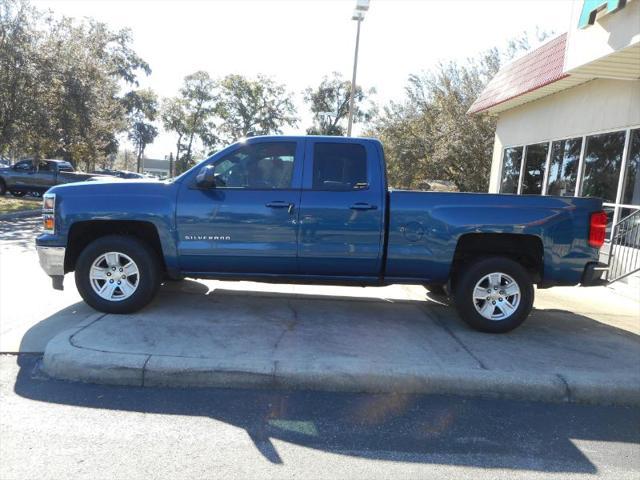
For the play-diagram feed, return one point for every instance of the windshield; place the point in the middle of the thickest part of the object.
(65, 167)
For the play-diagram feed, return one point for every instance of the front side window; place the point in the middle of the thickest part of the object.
(44, 166)
(510, 170)
(533, 174)
(339, 166)
(260, 166)
(631, 185)
(602, 163)
(563, 168)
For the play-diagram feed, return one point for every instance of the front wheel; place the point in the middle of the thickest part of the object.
(494, 294)
(117, 274)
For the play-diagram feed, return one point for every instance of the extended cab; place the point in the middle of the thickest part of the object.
(23, 177)
(316, 210)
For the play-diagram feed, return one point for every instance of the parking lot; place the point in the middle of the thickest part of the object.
(579, 344)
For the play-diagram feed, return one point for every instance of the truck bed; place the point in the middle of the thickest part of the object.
(425, 227)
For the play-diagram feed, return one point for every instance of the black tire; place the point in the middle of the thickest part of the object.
(3, 187)
(474, 273)
(144, 257)
(436, 288)
(18, 194)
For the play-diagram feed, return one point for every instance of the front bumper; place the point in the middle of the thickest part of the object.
(52, 262)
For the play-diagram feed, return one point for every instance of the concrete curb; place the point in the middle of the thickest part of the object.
(63, 360)
(21, 214)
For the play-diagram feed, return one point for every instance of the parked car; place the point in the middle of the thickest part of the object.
(122, 174)
(23, 177)
(316, 210)
(4, 162)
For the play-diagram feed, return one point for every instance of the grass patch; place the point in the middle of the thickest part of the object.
(9, 204)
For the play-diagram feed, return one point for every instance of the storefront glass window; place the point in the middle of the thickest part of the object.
(535, 160)
(631, 185)
(511, 170)
(602, 160)
(610, 212)
(563, 169)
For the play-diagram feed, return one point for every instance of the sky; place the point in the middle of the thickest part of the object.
(297, 42)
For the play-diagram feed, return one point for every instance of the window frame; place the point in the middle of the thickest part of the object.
(617, 205)
(312, 159)
(523, 163)
(517, 192)
(296, 176)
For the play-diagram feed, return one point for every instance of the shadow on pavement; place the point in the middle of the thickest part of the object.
(392, 427)
(395, 427)
(20, 231)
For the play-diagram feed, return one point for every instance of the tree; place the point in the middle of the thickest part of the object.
(19, 70)
(429, 135)
(173, 114)
(199, 99)
(60, 83)
(142, 108)
(190, 116)
(252, 107)
(329, 103)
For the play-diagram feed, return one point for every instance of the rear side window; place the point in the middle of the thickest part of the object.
(339, 166)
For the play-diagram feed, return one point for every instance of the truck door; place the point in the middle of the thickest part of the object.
(44, 177)
(341, 209)
(248, 223)
(21, 178)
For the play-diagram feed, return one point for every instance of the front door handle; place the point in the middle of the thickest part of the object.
(281, 204)
(363, 206)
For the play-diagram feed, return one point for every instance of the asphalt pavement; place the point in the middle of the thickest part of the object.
(53, 429)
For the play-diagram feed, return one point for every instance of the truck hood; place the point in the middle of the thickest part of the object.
(107, 185)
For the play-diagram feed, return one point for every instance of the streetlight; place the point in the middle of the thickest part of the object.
(358, 15)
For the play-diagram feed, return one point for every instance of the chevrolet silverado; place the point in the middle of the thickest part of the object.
(316, 210)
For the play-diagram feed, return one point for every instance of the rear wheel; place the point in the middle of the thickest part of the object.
(117, 274)
(494, 294)
(18, 194)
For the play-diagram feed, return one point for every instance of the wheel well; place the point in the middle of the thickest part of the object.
(524, 249)
(82, 234)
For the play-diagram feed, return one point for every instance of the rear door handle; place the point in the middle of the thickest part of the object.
(281, 204)
(363, 206)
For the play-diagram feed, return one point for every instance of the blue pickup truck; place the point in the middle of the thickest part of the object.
(316, 210)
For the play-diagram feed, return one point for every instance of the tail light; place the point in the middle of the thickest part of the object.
(597, 229)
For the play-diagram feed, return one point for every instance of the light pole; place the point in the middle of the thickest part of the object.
(358, 15)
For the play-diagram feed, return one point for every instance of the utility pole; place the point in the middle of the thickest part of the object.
(358, 15)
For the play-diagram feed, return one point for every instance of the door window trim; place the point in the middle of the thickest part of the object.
(307, 181)
(296, 176)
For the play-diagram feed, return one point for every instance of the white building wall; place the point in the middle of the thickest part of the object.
(596, 106)
(610, 33)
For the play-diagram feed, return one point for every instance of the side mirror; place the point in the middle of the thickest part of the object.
(206, 177)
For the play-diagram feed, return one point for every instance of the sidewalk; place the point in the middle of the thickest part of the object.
(390, 339)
